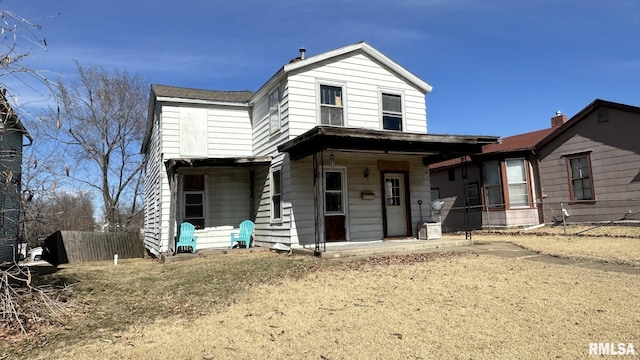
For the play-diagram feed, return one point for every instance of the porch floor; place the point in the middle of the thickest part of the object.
(382, 247)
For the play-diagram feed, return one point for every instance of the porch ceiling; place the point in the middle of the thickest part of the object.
(432, 147)
(173, 164)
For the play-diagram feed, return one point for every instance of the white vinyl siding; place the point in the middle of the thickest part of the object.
(274, 110)
(264, 142)
(276, 195)
(362, 78)
(153, 185)
(227, 131)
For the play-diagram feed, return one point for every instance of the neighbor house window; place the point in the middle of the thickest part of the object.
(580, 185)
(517, 183)
(451, 174)
(331, 105)
(492, 184)
(333, 202)
(274, 110)
(391, 112)
(193, 192)
(276, 195)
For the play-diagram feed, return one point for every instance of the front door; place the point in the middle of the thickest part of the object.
(395, 206)
(334, 205)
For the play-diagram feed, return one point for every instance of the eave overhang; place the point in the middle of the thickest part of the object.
(431, 147)
(174, 164)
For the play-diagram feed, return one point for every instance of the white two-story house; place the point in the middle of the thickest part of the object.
(333, 147)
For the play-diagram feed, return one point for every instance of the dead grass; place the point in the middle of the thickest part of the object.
(247, 305)
(137, 292)
(453, 307)
(618, 244)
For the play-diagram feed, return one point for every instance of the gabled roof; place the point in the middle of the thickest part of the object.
(175, 93)
(595, 105)
(164, 91)
(362, 47)
(510, 144)
(9, 118)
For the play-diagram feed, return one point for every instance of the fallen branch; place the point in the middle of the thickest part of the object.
(24, 306)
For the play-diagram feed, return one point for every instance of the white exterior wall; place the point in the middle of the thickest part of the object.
(265, 143)
(154, 177)
(364, 217)
(222, 131)
(363, 80)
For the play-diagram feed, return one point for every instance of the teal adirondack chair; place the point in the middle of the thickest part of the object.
(187, 239)
(246, 229)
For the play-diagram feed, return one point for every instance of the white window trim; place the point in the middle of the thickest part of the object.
(402, 104)
(320, 82)
(343, 173)
(525, 182)
(204, 199)
(271, 195)
(272, 130)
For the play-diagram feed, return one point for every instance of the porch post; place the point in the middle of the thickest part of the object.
(318, 202)
(173, 196)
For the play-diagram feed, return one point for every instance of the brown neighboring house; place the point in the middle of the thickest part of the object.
(589, 165)
(592, 165)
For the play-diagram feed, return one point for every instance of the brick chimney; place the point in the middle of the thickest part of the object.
(558, 120)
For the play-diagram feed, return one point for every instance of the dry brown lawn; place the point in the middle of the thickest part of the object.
(619, 244)
(438, 306)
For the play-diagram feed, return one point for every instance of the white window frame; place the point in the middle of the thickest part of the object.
(343, 181)
(320, 105)
(273, 194)
(524, 182)
(382, 112)
(275, 117)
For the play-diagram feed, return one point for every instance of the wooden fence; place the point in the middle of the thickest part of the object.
(79, 246)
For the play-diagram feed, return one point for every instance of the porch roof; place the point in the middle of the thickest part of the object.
(173, 164)
(432, 147)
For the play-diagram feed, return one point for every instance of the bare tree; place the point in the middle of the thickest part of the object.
(103, 115)
(19, 39)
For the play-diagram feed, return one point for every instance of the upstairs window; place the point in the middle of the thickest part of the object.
(274, 110)
(580, 184)
(391, 112)
(331, 108)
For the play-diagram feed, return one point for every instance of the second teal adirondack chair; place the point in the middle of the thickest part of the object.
(187, 239)
(246, 229)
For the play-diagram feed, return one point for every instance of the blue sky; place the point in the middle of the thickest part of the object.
(498, 67)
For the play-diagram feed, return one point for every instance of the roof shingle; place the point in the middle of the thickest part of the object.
(200, 94)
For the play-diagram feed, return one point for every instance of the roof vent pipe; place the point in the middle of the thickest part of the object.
(302, 52)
